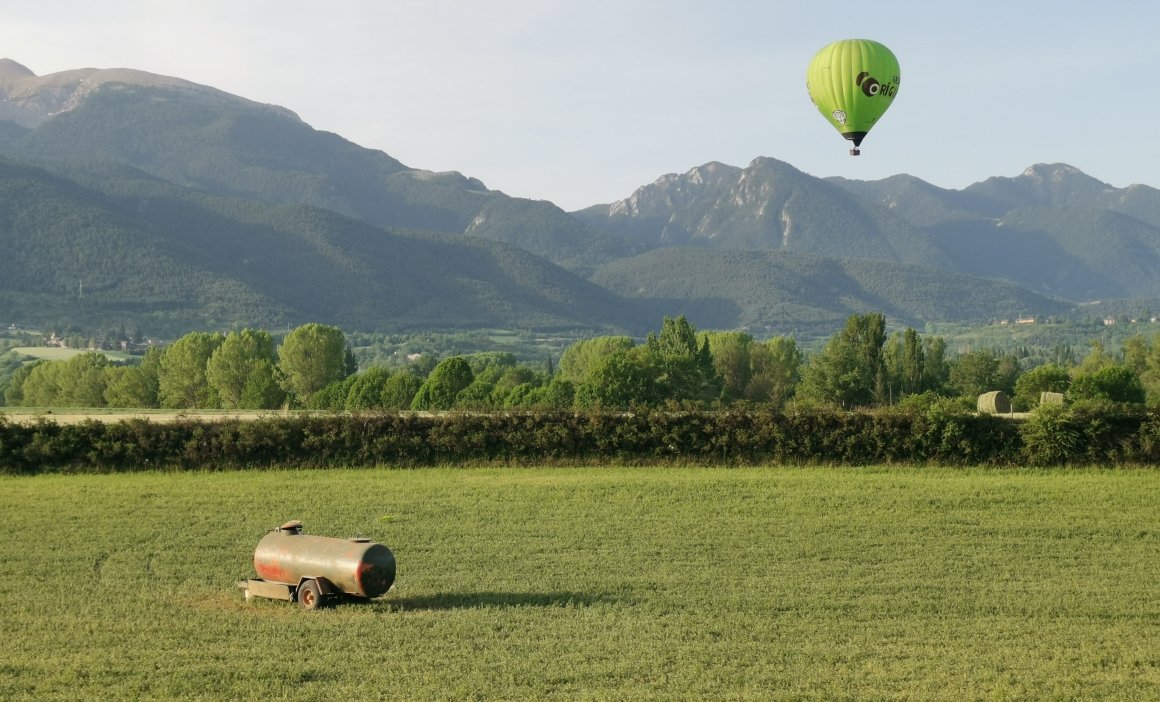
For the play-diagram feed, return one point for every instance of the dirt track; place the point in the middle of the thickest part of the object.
(70, 417)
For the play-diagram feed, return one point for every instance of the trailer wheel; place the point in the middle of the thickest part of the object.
(309, 595)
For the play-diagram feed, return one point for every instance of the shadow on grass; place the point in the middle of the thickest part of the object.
(497, 600)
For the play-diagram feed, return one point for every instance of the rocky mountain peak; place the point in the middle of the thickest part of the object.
(711, 172)
(1061, 184)
(1044, 173)
(1054, 171)
(1043, 184)
(675, 189)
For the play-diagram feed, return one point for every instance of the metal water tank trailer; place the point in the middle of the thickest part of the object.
(313, 569)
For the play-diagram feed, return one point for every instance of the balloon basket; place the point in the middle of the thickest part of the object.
(855, 152)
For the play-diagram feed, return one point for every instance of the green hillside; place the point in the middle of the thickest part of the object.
(920, 203)
(787, 293)
(217, 143)
(1080, 254)
(143, 249)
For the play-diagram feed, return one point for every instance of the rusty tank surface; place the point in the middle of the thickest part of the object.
(314, 569)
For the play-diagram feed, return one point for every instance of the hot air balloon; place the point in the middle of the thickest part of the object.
(852, 82)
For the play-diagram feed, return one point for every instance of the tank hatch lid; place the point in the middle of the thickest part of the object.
(293, 526)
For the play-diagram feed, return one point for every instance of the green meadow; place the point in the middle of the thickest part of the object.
(57, 353)
(593, 584)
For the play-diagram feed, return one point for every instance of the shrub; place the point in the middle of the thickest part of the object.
(943, 433)
(1050, 437)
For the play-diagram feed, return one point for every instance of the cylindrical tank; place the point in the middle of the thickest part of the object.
(355, 566)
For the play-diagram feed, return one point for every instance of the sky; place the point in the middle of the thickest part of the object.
(583, 101)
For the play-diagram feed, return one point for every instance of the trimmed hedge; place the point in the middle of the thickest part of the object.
(1088, 436)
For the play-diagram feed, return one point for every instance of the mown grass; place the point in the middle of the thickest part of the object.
(594, 583)
(111, 415)
(57, 353)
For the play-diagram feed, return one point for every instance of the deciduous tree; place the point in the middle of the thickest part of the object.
(973, 373)
(619, 381)
(1046, 378)
(732, 361)
(439, 391)
(1113, 383)
(135, 385)
(14, 394)
(42, 387)
(777, 369)
(366, 389)
(580, 358)
(684, 369)
(312, 357)
(850, 371)
(399, 390)
(182, 382)
(82, 380)
(242, 373)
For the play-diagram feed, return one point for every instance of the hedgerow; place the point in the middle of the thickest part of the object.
(1100, 434)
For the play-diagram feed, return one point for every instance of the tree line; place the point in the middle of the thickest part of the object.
(201, 370)
(675, 367)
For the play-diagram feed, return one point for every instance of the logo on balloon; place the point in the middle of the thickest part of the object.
(871, 87)
(840, 116)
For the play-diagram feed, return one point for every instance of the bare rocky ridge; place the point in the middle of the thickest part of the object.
(30, 100)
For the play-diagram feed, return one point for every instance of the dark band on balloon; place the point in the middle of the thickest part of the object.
(855, 137)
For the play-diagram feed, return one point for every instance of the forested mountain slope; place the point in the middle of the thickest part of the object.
(133, 196)
(781, 293)
(203, 138)
(131, 246)
(1052, 229)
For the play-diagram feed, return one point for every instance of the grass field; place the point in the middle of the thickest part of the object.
(56, 353)
(79, 415)
(594, 584)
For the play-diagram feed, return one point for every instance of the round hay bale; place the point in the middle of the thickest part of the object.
(994, 402)
(1051, 398)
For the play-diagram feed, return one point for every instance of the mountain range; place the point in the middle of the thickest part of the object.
(136, 199)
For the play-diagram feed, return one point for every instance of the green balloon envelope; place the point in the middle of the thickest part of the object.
(852, 82)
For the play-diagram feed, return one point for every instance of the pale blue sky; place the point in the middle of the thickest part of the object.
(582, 101)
